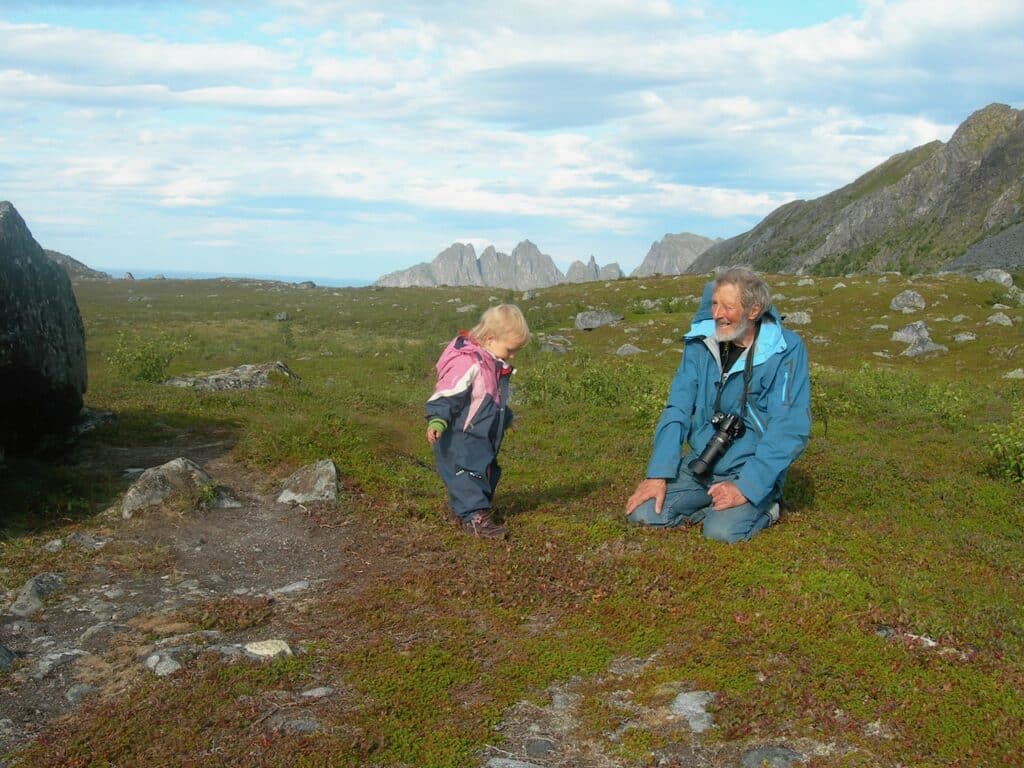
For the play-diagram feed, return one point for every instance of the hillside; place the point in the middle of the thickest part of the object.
(916, 212)
(76, 270)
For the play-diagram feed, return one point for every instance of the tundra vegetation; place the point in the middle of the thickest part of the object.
(903, 519)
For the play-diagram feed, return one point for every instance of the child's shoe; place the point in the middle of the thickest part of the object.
(481, 523)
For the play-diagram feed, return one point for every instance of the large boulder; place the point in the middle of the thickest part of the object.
(42, 340)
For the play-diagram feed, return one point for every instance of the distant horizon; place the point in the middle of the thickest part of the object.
(146, 273)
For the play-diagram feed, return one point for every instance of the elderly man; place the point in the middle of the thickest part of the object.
(740, 401)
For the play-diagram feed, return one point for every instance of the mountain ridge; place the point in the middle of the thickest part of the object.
(918, 211)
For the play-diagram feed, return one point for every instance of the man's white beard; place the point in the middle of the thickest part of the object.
(736, 334)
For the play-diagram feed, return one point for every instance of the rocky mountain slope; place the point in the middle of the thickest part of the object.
(523, 269)
(918, 211)
(673, 254)
(76, 270)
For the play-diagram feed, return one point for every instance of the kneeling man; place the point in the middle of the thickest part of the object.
(740, 403)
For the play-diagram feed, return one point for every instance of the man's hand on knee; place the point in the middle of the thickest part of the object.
(725, 495)
(651, 488)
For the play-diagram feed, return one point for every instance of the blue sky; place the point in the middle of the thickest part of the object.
(347, 139)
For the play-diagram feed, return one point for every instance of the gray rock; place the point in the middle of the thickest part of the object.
(282, 316)
(314, 482)
(959, 319)
(7, 657)
(1000, 276)
(797, 318)
(250, 376)
(539, 747)
(268, 649)
(42, 341)
(1017, 373)
(586, 321)
(906, 302)
(557, 344)
(924, 347)
(912, 333)
(34, 591)
(771, 757)
(466, 308)
(53, 660)
(301, 725)
(181, 475)
(79, 691)
(626, 350)
(693, 706)
(290, 589)
(88, 542)
(506, 762)
(127, 276)
(528, 296)
(673, 254)
(804, 281)
(999, 318)
(54, 546)
(162, 663)
(318, 693)
(965, 337)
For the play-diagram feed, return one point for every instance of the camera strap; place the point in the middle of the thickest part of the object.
(748, 375)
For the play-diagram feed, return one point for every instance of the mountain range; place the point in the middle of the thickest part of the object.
(523, 269)
(955, 206)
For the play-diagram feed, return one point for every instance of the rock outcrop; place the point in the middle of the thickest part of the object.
(673, 254)
(42, 340)
(918, 211)
(524, 269)
(76, 270)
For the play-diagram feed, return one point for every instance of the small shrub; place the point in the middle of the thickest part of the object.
(141, 360)
(1006, 447)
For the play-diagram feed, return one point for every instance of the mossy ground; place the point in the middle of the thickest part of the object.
(894, 518)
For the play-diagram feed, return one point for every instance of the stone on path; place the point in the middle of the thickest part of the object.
(181, 475)
(314, 482)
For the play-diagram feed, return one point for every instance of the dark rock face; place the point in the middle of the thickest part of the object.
(42, 341)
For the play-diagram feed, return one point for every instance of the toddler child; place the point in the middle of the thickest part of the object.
(468, 413)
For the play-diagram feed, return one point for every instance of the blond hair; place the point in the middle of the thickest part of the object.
(504, 321)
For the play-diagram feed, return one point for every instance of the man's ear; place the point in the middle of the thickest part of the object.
(755, 312)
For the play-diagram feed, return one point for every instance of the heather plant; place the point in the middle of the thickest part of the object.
(146, 359)
(1006, 447)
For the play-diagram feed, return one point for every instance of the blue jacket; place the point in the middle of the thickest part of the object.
(777, 415)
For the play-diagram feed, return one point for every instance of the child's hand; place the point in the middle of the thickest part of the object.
(432, 434)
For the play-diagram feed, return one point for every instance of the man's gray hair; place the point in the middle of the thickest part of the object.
(753, 288)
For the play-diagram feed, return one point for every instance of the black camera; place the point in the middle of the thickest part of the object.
(728, 427)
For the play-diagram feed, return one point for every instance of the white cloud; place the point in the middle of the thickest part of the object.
(580, 120)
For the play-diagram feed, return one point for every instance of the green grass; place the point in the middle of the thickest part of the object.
(898, 516)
